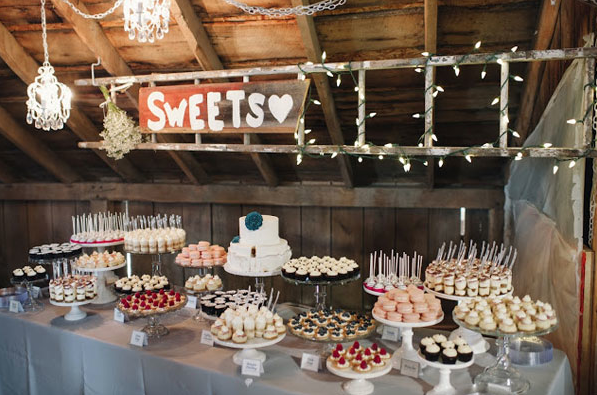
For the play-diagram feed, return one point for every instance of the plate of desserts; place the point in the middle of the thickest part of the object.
(437, 350)
(411, 307)
(331, 325)
(133, 284)
(201, 284)
(248, 326)
(320, 270)
(73, 289)
(149, 303)
(201, 255)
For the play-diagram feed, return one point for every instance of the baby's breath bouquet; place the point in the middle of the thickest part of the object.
(120, 132)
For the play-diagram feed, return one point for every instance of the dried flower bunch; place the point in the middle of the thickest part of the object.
(120, 133)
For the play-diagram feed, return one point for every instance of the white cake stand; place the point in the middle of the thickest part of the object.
(75, 313)
(358, 384)
(444, 387)
(104, 294)
(99, 245)
(248, 349)
(474, 339)
(371, 292)
(259, 276)
(406, 350)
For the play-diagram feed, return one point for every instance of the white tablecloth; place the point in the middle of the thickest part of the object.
(41, 353)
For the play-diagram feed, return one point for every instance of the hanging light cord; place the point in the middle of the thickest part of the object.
(280, 12)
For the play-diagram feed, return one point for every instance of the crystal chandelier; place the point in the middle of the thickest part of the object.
(146, 19)
(48, 104)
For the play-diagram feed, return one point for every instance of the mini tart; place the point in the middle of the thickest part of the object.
(342, 364)
(322, 334)
(335, 356)
(239, 337)
(363, 367)
(383, 354)
(377, 362)
(337, 335)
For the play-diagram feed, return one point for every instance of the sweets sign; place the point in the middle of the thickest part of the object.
(237, 107)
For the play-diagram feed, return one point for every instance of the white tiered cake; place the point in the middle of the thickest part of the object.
(259, 249)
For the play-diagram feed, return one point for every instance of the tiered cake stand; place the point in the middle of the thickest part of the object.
(99, 245)
(474, 339)
(259, 276)
(444, 387)
(75, 313)
(358, 384)
(104, 294)
(321, 287)
(154, 328)
(502, 374)
(406, 350)
(30, 305)
(249, 349)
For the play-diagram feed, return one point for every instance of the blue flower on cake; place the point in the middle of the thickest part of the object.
(253, 220)
(235, 239)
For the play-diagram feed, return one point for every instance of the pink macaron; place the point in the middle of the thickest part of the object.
(379, 312)
(410, 317)
(389, 306)
(403, 308)
(394, 316)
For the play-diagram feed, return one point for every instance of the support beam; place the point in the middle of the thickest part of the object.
(430, 15)
(93, 36)
(35, 149)
(7, 174)
(24, 66)
(545, 29)
(200, 45)
(313, 49)
(297, 195)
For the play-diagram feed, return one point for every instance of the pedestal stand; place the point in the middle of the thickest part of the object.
(359, 384)
(104, 294)
(75, 313)
(30, 305)
(444, 387)
(406, 349)
(321, 287)
(249, 349)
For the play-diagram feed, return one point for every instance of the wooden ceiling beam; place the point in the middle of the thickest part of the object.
(92, 35)
(546, 25)
(25, 67)
(200, 45)
(35, 149)
(313, 49)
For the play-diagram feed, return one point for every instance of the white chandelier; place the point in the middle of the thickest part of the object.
(48, 103)
(146, 19)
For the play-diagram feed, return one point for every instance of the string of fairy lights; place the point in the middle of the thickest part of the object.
(404, 159)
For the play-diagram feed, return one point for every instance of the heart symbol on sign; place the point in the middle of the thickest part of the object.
(280, 106)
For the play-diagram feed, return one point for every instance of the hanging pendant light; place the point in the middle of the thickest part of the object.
(49, 101)
(146, 19)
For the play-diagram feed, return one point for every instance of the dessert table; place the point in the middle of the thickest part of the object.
(42, 353)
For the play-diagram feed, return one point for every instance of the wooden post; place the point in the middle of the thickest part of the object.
(362, 109)
(504, 84)
(197, 135)
(588, 100)
(429, 99)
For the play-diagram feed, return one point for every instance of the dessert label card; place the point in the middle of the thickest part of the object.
(139, 339)
(251, 367)
(390, 333)
(15, 307)
(310, 362)
(191, 302)
(207, 338)
(35, 292)
(409, 368)
(118, 316)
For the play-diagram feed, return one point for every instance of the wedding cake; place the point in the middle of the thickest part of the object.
(259, 248)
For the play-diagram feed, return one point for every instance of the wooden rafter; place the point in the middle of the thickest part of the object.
(295, 195)
(25, 67)
(545, 29)
(35, 149)
(314, 52)
(93, 36)
(200, 45)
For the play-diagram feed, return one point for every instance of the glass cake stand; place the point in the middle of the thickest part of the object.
(474, 339)
(156, 260)
(502, 374)
(30, 305)
(154, 328)
(321, 287)
(259, 276)
(199, 316)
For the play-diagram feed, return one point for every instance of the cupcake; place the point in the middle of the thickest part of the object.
(315, 275)
(432, 352)
(18, 275)
(301, 274)
(465, 353)
(239, 337)
(449, 356)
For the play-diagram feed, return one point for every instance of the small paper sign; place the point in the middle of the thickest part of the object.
(35, 292)
(207, 338)
(390, 333)
(15, 307)
(138, 339)
(191, 302)
(409, 368)
(118, 316)
(310, 362)
(252, 367)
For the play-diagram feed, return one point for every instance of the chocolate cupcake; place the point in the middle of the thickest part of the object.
(301, 274)
(332, 275)
(432, 352)
(18, 275)
(315, 275)
(449, 356)
(426, 341)
(290, 272)
(465, 353)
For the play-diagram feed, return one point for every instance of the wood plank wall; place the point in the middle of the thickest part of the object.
(335, 231)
